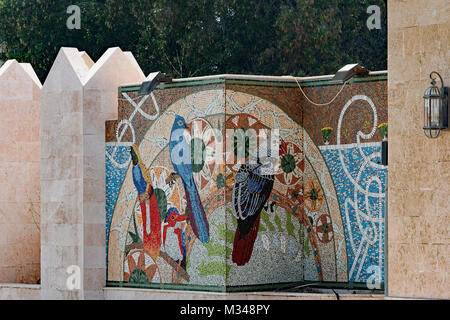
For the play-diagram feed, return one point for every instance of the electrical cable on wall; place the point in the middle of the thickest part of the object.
(320, 104)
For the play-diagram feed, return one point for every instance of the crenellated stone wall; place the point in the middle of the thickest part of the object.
(20, 91)
(78, 96)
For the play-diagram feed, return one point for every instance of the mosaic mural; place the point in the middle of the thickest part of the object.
(189, 207)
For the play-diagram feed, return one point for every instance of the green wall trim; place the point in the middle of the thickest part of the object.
(256, 82)
(279, 287)
(290, 285)
(312, 83)
(183, 84)
(165, 286)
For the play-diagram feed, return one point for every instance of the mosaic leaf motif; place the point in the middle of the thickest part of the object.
(212, 268)
(220, 181)
(289, 225)
(161, 199)
(266, 220)
(242, 150)
(134, 235)
(214, 249)
(139, 277)
(306, 247)
(288, 163)
(278, 223)
(198, 154)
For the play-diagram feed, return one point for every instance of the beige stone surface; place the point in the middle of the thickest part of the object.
(78, 96)
(19, 173)
(418, 182)
(19, 292)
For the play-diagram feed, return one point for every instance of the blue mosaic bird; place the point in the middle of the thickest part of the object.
(180, 155)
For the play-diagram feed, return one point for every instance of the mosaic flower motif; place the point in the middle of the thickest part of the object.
(291, 163)
(326, 134)
(202, 140)
(313, 195)
(383, 127)
(295, 194)
(139, 268)
(324, 228)
(241, 143)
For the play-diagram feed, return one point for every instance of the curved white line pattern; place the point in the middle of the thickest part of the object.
(126, 124)
(369, 222)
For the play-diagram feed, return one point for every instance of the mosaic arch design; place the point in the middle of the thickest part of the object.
(317, 177)
(300, 233)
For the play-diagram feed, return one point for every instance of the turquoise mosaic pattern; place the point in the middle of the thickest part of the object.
(360, 185)
(116, 168)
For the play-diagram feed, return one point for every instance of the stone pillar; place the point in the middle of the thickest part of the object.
(78, 97)
(20, 91)
(100, 103)
(419, 167)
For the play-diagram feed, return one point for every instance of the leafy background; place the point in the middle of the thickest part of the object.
(201, 37)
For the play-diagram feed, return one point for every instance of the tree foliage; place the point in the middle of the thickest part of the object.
(200, 37)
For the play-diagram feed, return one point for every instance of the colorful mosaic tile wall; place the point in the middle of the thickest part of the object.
(215, 224)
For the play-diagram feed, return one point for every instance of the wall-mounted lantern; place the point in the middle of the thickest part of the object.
(435, 108)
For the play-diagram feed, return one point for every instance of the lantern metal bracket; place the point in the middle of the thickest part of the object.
(442, 96)
(444, 93)
(445, 107)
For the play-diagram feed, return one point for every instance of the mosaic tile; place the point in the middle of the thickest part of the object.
(303, 230)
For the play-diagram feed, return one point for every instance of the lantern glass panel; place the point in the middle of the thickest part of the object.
(435, 108)
(427, 111)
